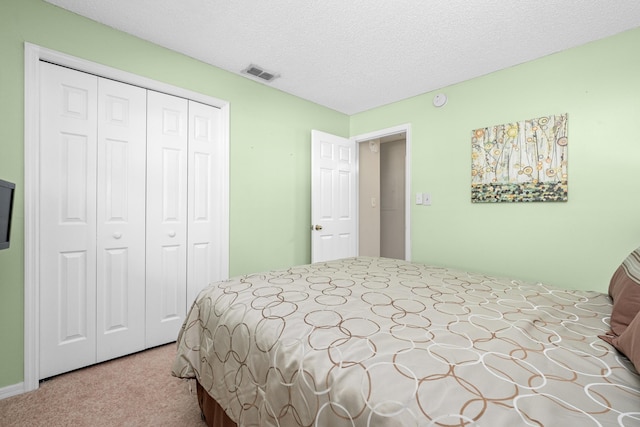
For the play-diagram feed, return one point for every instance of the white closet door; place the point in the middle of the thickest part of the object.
(121, 205)
(67, 219)
(166, 216)
(204, 222)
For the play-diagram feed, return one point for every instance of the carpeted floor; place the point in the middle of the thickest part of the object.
(136, 390)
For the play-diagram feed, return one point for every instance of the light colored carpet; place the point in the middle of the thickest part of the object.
(136, 390)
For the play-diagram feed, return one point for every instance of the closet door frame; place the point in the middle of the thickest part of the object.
(34, 54)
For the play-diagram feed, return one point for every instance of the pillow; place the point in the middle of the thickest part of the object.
(624, 290)
(628, 343)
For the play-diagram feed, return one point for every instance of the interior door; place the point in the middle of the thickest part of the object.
(333, 197)
(68, 134)
(204, 224)
(166, 263)
(121, 182)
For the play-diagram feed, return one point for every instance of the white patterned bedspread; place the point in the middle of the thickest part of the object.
(380, 342)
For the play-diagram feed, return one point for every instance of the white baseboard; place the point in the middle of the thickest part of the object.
(11, 390)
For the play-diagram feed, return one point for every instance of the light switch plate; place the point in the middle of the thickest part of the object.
(418, 198)
(426, 199)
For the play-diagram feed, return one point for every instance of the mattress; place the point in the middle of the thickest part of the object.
(379, 342)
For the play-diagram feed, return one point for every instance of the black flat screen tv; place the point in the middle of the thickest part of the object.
(7, 190)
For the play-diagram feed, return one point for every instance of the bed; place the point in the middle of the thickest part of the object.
(379, 342)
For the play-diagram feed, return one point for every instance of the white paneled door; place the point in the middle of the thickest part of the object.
(167, 153)
(120, 241)
(67, 220)
(204, 223)
(333, 198)
(92, 221)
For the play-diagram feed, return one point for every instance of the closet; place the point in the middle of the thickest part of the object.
(125, 223)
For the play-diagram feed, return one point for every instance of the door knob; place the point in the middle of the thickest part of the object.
(172, 233)
(318, 227)
(117, 235)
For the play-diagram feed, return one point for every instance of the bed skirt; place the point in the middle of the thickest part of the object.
(212, 412)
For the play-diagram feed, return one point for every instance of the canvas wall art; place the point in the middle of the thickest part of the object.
(524, 161)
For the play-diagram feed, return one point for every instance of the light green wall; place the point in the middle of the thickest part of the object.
(269, 147)
(577, 244)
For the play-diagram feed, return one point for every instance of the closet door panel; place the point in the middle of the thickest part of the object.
(121, 187)
(167, 123)
(204, 223)
(67, 219)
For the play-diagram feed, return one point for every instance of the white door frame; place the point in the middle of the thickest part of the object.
(33, 55)
(406, 129)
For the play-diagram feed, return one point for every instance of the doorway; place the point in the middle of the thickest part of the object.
(383, 194)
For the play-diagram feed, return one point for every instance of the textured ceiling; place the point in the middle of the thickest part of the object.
(354, 55)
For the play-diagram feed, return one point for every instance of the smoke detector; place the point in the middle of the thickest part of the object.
(260, 73)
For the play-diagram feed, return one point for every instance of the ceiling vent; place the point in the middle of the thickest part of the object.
(260, 73)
